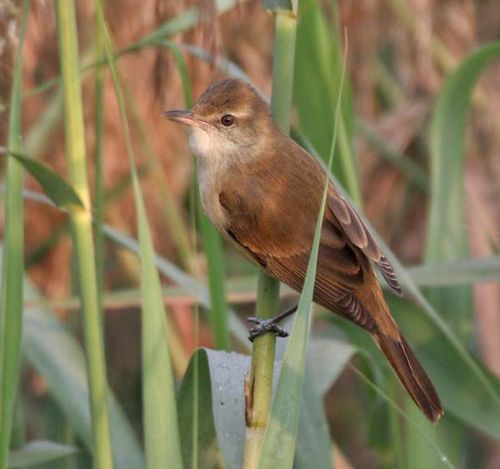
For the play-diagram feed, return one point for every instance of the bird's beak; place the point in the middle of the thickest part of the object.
(184, 117)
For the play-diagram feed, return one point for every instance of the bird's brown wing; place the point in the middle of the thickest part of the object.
(333, 286)
(342, 269)
(361, 237)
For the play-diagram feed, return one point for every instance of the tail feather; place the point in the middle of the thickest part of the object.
(411, 374)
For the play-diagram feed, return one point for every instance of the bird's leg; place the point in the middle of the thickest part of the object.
(269, 325)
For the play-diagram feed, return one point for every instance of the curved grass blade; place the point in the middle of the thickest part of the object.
(161, 431)
(186, 20)
(11, 313)
(214, 379)
(458, 272)
(39, 452)
(427, 443)
(54, 185)
(447, 236)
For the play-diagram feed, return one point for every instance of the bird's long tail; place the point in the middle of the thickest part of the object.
(411, 374)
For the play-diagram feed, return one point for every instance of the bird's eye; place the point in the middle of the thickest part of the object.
(227, 120)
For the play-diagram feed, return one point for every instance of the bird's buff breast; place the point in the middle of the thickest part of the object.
(210, 183)
(212, 156)
(209, 193)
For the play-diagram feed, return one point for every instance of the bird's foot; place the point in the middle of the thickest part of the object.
(264, 325)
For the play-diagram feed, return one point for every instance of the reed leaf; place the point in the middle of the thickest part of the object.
(447, 236)
(59, 191)
(446, 239)
(161, 431)
(39, 452)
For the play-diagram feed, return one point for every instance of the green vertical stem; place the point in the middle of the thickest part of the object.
(260, 386)
(81, 223)
(11, 315)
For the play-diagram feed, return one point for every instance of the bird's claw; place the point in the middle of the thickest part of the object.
(264, 325)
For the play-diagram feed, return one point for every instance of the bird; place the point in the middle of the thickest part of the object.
(263, 192)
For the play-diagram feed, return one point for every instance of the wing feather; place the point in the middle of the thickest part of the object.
(327, 291)
(360, 236)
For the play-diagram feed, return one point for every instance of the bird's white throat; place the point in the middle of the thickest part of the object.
(213, 155)
(212, 145)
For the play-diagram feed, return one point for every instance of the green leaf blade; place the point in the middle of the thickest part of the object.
(39, 452)
(161, 430)
(447, 236)
(59, 191)
(448, 130)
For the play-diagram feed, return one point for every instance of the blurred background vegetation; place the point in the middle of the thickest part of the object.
(399, 157)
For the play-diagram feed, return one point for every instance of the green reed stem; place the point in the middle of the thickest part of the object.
(81, 222)
(161, 433)
(11, 314)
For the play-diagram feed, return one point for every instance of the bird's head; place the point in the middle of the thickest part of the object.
(229, 122)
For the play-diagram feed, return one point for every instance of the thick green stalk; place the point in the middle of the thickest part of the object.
(81, 222)
(11, 315)
(260, 389)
